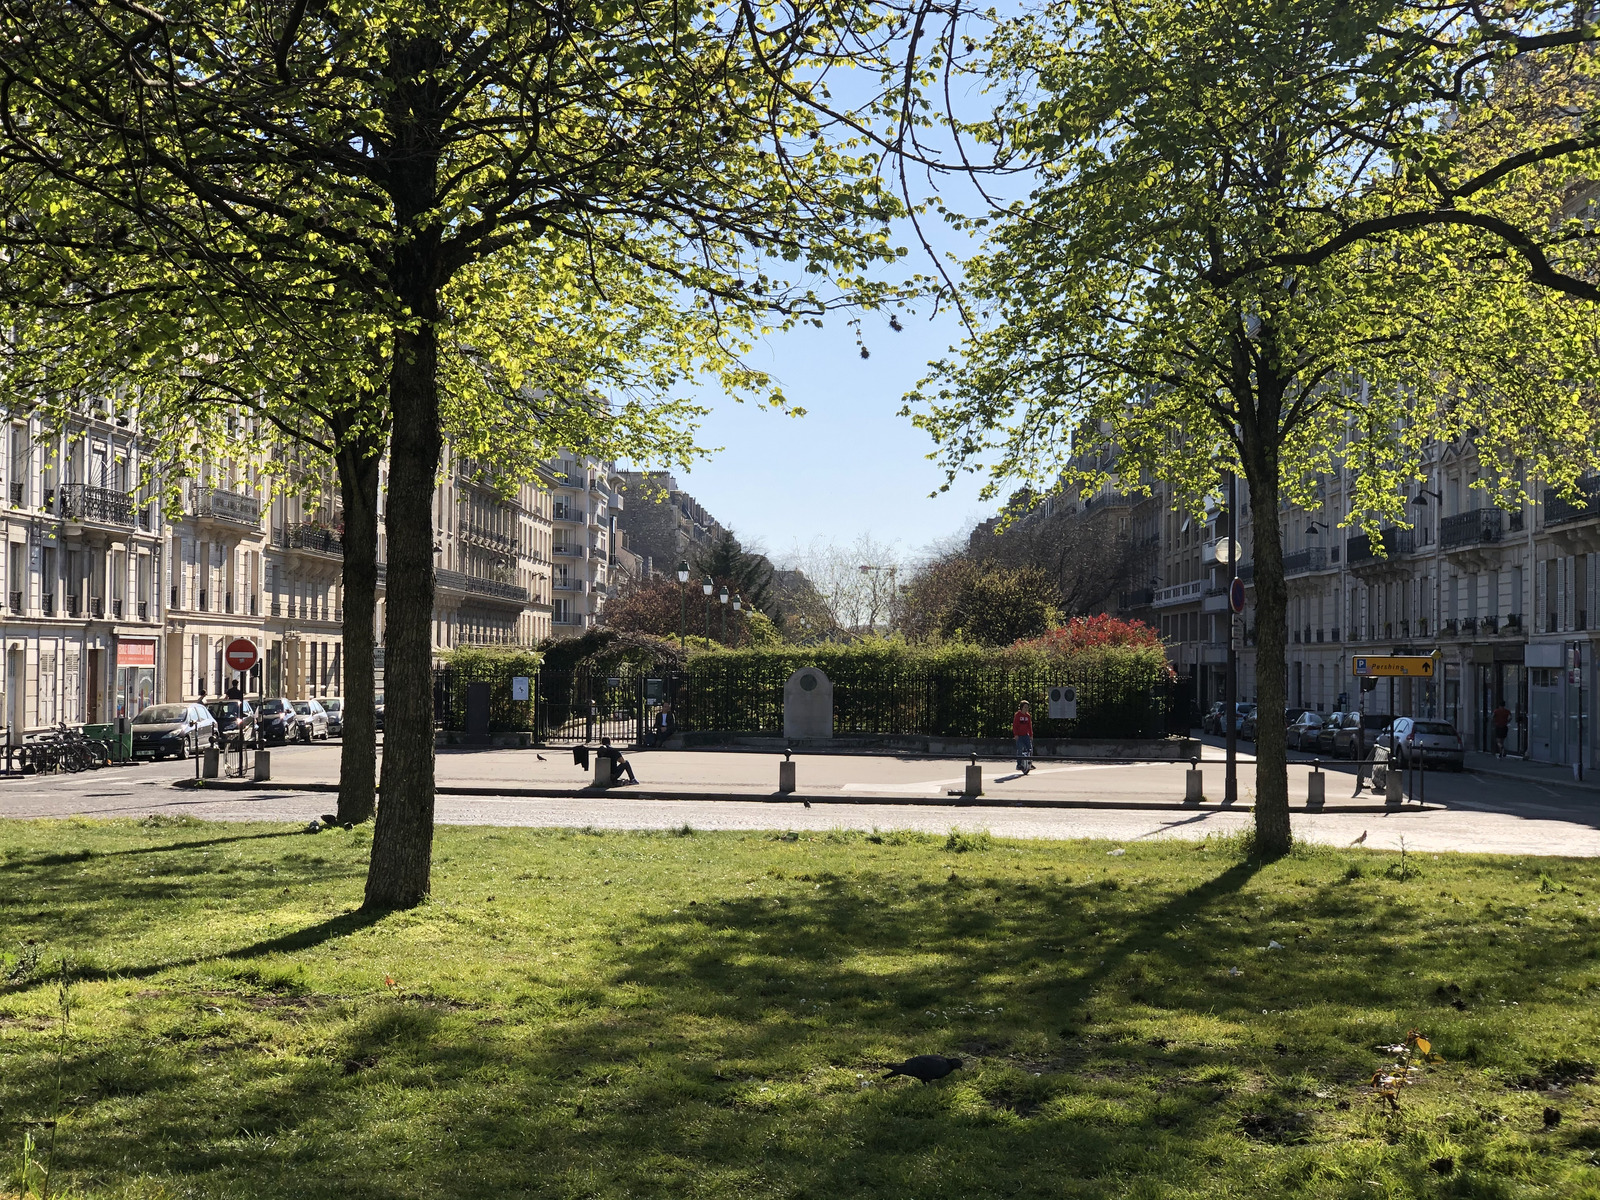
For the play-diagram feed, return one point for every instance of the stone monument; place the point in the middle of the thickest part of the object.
(808, 705)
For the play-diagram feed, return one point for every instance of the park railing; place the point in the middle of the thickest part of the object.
(743, 695)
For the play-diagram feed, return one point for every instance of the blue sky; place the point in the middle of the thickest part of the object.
(850, 465)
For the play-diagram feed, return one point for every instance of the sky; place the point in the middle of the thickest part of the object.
(850, 465)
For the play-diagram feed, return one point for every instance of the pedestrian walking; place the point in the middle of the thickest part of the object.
(1022, 730)
(1501, 720)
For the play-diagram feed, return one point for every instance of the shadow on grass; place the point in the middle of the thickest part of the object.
(69, 857)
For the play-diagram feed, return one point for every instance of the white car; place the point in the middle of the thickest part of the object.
(313, 720)
(334, 707)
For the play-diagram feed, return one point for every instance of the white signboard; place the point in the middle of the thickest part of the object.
(519, 687)
(1063, 704)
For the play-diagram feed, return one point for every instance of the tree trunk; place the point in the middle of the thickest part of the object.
(1273, 836)
(402, 845)
(358, 458)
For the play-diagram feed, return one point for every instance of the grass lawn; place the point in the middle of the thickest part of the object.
(703, 1015)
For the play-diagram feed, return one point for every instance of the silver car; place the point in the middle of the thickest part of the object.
(313, 720)
(1426, 741)
(334, 707)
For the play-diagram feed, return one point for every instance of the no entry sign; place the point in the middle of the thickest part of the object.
(241, 654)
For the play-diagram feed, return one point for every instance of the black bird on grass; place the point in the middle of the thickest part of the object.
(926, 1067)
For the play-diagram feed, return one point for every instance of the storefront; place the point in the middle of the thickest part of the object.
(136, 676)
(1559, 720)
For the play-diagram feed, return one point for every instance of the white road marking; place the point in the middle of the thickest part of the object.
(934, 786)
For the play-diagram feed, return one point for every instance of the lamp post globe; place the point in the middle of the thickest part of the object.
(708, 586)
(722, 598)
(683, 607)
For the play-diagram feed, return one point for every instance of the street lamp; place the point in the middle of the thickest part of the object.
(683, 606)
(708, 586)
(738, 602)
(722, 597)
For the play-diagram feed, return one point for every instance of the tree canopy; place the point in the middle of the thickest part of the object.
(1277, 239)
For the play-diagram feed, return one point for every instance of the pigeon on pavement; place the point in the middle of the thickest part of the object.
(1360, 839)
(926, 1067)
(540, 757)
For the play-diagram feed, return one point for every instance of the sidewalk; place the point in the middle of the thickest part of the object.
(1544, 774)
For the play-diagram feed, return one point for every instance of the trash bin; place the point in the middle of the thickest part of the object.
(120, 747)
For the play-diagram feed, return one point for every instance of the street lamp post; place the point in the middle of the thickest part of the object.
(683, 607)
(707, 586)
(738, 602)
(722, 598)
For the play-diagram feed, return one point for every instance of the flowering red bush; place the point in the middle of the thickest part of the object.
(1092, 633)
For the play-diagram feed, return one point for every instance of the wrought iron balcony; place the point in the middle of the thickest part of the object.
(97, 608)
(1586, 504)
(1393, 542)
(1312, 558)
(144, 610)
(16, 602)
(17, 490)
(232, 507)
(74, 606)
(80, 502)
(47, 605)
(1135, 599)
(1474, 528)
(116, 610)
(319, 539)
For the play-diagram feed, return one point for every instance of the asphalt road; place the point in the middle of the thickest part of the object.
(1465, 812)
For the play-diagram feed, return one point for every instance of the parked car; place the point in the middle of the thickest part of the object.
(1303, 730)
(171, 729)
(1328, 738)
(1212, 721)
(334, 707)
(277, 719)
(1247, 722)
(232, 718)
(1424, 740)
(313, 720)
(377, 711)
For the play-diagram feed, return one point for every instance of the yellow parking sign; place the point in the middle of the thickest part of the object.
(1409, 666)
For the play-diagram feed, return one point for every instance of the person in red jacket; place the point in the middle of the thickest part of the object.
(1022, 730)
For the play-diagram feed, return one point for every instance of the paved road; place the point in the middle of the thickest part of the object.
(1475, 813)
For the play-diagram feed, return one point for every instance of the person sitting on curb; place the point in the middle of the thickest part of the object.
(618, 763)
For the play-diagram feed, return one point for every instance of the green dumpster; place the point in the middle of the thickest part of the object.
(121, 749)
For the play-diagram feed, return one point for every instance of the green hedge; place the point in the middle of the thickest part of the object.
(892, 687)
(494, 666)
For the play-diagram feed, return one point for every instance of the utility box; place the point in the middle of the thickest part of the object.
(1063, 704)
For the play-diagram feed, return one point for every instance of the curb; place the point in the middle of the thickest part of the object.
(231, 785)
(1566, 783)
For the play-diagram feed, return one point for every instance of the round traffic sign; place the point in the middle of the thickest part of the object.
(1236, 595)
(241, 654)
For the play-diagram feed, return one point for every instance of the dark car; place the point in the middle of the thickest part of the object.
(233, 717)
(1424, 740)
(1247, 721)
(377, 711)
(1328, 736)
(278, 720)
(1303, 730)
(171, 729)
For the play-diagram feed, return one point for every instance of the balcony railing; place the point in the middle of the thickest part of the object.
(1181, 593)
(16, 493)
(472, 584)
(97, 608)
(568, 551)
(47, 605)
(16, 602)
(74, 607)
(1473, 528)
(1360, 549)
(1560, 511)
(116, 610)
(80, 502)
(233, 507)
(319, 539)
(1312, 558)
(1141, 598)
(144, 610)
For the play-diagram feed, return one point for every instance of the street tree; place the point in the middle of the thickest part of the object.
(1279, 240)
(421, 164)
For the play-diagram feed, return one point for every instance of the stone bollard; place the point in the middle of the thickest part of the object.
(1316, 787)
(1194, 785)
(1392, 780)
(213, 763)
(786, 776)
(263, 765)
(602, 771)
(974, 784)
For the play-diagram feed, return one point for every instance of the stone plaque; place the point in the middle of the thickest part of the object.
(808, 705)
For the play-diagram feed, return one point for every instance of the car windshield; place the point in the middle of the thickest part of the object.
(1443, 727)
(274, 705)
(162, 714)
(303, 707)
(333, 705)
(224, 708)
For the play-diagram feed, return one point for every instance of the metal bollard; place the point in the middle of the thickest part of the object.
(1194, 785)
(602, 771)
(213, 763)
(1393, 792)
(1316, 786)
(263, 765)
(786, 776)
